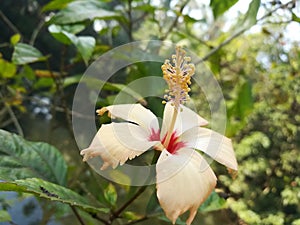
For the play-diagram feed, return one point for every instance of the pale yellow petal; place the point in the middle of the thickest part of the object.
(211, 143)
(184, 181)
(115, 143)
(135, 113)
(186, 119)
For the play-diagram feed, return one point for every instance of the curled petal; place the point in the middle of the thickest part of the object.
(135, 113)
(186, 119)
(184, 181)
(115, 143)
(211, 143)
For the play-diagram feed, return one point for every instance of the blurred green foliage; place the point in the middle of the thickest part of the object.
(257, 69)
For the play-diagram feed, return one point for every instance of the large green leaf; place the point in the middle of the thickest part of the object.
(66, 34)
(82, 10)
(221, 6)
(50, 191)
(22, 159)
(24, 53)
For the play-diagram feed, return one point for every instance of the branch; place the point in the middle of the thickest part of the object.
(13, 117)
(179, 13)
(227, 41)
(9, 24)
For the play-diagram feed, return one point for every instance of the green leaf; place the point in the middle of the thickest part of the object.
(295, 18)
(131, 216)
(15, 39)
(110, 194)
(94, 83)
(213, 203)
(7, 69)
(50, 191)
(22, 159)
(244, 100)
(85, 46)
(4, 216)
(250, 17)
(153, 206)
(24, 53)
(55, 5)
(65, 34)
(44, 82)
(178, 221)
(82, 10)
(221, 6)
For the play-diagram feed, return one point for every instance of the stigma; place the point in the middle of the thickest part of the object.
(178, 77)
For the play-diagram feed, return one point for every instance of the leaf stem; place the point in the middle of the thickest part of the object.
(77, 215)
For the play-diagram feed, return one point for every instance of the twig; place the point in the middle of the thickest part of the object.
(122, 208)
(10, 24)
(13, 117)
(174, 22)
(77, 215)
(117, 213)
(36, 31)
(130, 20)
(95, 216)
(227, 41)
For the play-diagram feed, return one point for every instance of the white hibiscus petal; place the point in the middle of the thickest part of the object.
(135, 113)
(115, 143)
(184, 181)
(213, 144)
(186, 119)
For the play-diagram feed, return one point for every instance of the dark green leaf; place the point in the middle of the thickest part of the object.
(110, 194)
(178, 221)
(50, 191)
(153, 206)
(22, 159)
(82, 10)
(213, 202)
(24, 53)
(250, 17)
(44, 82)
(245, 100)
(221, 6)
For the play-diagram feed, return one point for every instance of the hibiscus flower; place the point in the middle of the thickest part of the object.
(184, 178)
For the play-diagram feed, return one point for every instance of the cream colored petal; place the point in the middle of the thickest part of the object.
(212, 143)
(115, 143)
(135, 113)
(184, 181)
(185, 120)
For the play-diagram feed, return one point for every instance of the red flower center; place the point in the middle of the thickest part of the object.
(174, 143)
